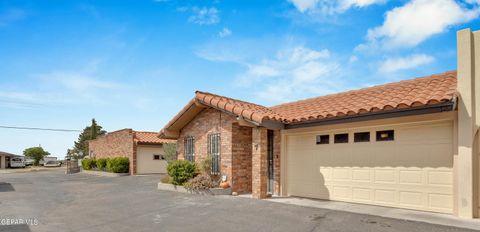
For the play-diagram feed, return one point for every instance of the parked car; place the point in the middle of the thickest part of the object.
(17, 162)
(52, 163)
(29, 162)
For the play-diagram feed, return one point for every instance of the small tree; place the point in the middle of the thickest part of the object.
(80, 149)
(35, 153)
(170, 151)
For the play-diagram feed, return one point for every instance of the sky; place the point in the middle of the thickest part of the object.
(136, 63)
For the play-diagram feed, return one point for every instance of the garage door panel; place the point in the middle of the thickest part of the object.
(411, 177)
(410, 198)
(413, 171)
(382, 176)
(361, 175)
(384, 196)
(342, 192)
(439, 177)
(362, 194)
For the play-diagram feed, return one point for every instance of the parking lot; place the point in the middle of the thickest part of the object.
(80, 202)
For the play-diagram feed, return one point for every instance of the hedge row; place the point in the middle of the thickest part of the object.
(115, 165)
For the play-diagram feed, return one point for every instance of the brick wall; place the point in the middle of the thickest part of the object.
(259, 163)
(206, 122)
(115, 144)
(237, 161)
(242, 159)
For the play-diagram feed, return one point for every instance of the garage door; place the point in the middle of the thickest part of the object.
(150, 160)
(414, 170)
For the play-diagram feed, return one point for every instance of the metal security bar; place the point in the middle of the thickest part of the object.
(214, 152)
(190, 148)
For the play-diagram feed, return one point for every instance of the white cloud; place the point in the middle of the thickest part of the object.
(402, 63)
(304, 5)
(293, 73)
(418, 20)
(78, 81)
(331, 6)
(224, 33)
(204, 15)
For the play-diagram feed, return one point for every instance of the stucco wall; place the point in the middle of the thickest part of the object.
(145, 162)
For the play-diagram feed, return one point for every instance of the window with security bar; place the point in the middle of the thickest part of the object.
(190, 148)
(214, 152)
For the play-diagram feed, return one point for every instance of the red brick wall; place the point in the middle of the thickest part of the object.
(210, 121)
(259, 163)
(242, 159)
(236, 150)
(115, 144)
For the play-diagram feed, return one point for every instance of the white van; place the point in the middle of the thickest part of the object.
(17, 162)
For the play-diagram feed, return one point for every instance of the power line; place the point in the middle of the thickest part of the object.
(36, 128)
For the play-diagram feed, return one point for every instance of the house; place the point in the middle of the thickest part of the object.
(411, 144)
(144, 150)
(5, 159)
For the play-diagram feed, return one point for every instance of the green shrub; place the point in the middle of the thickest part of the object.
(201, 182)
(180, 171)
(88, 164)
(118, 165)
(101, 163)
(206, 165)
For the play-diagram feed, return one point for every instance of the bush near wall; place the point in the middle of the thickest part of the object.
(88, 164)
(101, 164)
(200, 183)
(118, 165)
(180, 171)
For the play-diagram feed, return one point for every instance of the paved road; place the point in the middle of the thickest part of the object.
(81, 202)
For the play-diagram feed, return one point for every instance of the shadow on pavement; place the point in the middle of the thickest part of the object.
(15, 228)
(6, 187)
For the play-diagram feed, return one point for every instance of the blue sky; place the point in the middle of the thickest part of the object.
(135, 64)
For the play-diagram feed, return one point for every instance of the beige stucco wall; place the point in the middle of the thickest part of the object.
(145, 162)
(467, 160)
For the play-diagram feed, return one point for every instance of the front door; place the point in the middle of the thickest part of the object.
(270, 162)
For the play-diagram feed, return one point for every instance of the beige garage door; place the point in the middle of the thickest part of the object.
(413, 171)
(147, 162)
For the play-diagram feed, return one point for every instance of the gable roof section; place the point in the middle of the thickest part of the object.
(417, 92)
(431, 90)
(246, 110)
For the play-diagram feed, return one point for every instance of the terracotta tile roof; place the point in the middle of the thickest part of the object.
(417, 92)
(404, 94)
(151, 138)
(247, 110)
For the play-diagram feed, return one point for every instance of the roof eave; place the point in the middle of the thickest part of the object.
(426, 109)
(172, 129)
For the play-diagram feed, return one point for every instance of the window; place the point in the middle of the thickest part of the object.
(323, 139)
(386, 135)
(214, 152)
(158, 157)
(190, 148)
(361, 137)
(341, 138)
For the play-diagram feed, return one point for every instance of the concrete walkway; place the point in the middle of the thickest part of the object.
(395, 213)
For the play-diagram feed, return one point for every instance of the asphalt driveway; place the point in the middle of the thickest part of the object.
(53, 201)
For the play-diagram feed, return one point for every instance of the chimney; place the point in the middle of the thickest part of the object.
(466, 161)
